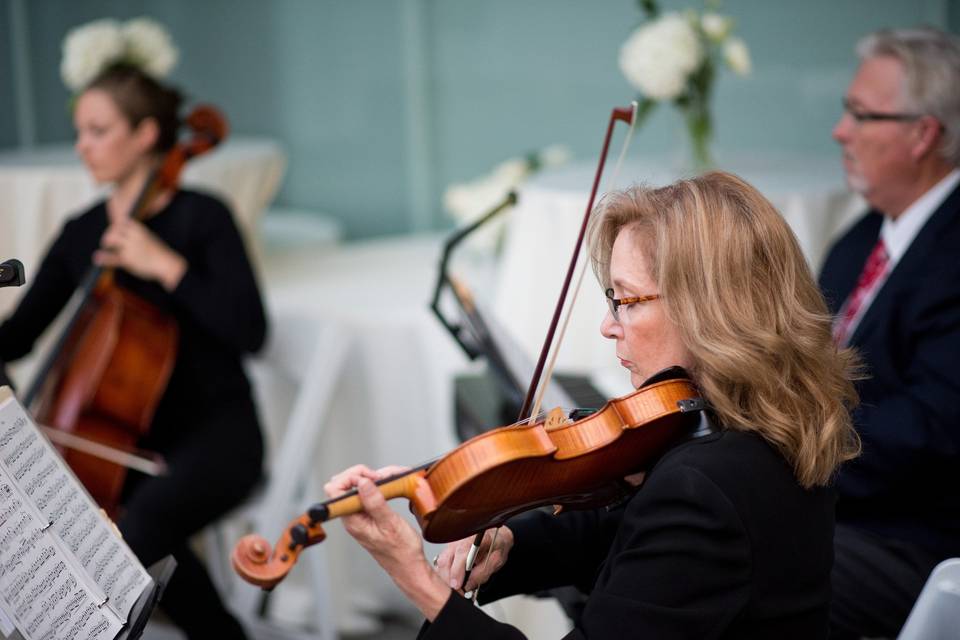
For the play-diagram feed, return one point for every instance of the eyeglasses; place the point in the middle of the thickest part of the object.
(872, 116)
(616, 303)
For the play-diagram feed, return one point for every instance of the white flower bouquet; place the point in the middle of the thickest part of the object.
(93, 47)
(465, 202)
(672, 57)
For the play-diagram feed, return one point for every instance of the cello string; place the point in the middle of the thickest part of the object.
(583, 269)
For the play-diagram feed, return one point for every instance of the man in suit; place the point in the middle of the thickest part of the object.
(893, 282)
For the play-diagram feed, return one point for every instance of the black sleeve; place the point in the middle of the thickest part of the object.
(914, 423)
(554, 551)
(681, 569)
(46, 296)
(682, 566)
(461, 620)
(548, 551)
(219, 290)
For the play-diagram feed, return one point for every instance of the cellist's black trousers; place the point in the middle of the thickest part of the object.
(211, 470)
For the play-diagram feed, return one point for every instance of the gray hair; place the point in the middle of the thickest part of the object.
(931, 63)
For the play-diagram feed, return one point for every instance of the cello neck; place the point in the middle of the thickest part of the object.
(90, 281)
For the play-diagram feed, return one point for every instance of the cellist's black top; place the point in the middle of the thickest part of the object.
(217, 304)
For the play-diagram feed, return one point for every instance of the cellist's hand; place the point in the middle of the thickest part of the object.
(452, 562)
(390, 539)
(129, 245)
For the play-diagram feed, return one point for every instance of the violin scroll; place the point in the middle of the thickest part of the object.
(256, 562)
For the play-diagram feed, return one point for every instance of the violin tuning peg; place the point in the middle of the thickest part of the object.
(299, 535)
(318, 513)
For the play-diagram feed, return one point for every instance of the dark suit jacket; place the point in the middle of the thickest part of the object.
(719, 542)
(906, 484)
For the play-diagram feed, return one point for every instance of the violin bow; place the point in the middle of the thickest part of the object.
(629, 116)
(146, 462)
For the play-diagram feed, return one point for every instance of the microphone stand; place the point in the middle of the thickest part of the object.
(11, 273)
(476, 323)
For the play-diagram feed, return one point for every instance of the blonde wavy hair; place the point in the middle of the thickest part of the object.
(734, 281)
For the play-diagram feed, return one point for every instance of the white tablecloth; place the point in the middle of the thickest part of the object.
(542, 229)
(393, 398)
(40, 188)
(393, 401)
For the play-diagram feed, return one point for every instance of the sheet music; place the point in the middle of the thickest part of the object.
(6, 622)
(39, 581)
(52, 492)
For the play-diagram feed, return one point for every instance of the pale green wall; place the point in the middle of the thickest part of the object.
(380, 103)
(8, 130)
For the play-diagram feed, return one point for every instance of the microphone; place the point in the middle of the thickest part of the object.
(11, 273)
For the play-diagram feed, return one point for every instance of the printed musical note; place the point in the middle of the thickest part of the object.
(59, 557)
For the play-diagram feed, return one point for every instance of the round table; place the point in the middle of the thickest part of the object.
(541, 231)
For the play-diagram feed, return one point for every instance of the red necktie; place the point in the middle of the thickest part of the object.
(873, 273)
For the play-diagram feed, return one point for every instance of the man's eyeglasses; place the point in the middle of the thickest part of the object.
(861, 116)
(616, 303)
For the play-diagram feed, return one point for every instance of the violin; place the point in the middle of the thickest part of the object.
(503, 472)
(500, 473)
(109, 367)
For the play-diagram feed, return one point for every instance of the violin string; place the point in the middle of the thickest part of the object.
(583, 269)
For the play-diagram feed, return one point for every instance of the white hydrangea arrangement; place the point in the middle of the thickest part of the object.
(672, 57)
(92, 47)
(466, 202)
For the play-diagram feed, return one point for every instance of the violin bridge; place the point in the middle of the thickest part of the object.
(556, 418)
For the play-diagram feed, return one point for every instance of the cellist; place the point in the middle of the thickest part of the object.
(188, 259)
(730, 533)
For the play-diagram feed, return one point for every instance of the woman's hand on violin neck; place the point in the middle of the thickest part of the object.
(129, 245)
(387, 536)
(390, 539)
(452, 562)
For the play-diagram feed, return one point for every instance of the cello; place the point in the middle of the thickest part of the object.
(109, 367)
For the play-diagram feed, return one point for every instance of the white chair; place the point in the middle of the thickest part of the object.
(936, 614)
(294, 380)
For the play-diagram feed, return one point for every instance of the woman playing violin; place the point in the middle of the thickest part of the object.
(730, 533)
(188, 259)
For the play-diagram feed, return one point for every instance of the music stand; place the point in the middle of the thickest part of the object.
(480, 335)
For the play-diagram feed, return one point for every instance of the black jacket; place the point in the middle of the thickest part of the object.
(719, 542)
(904, 484)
